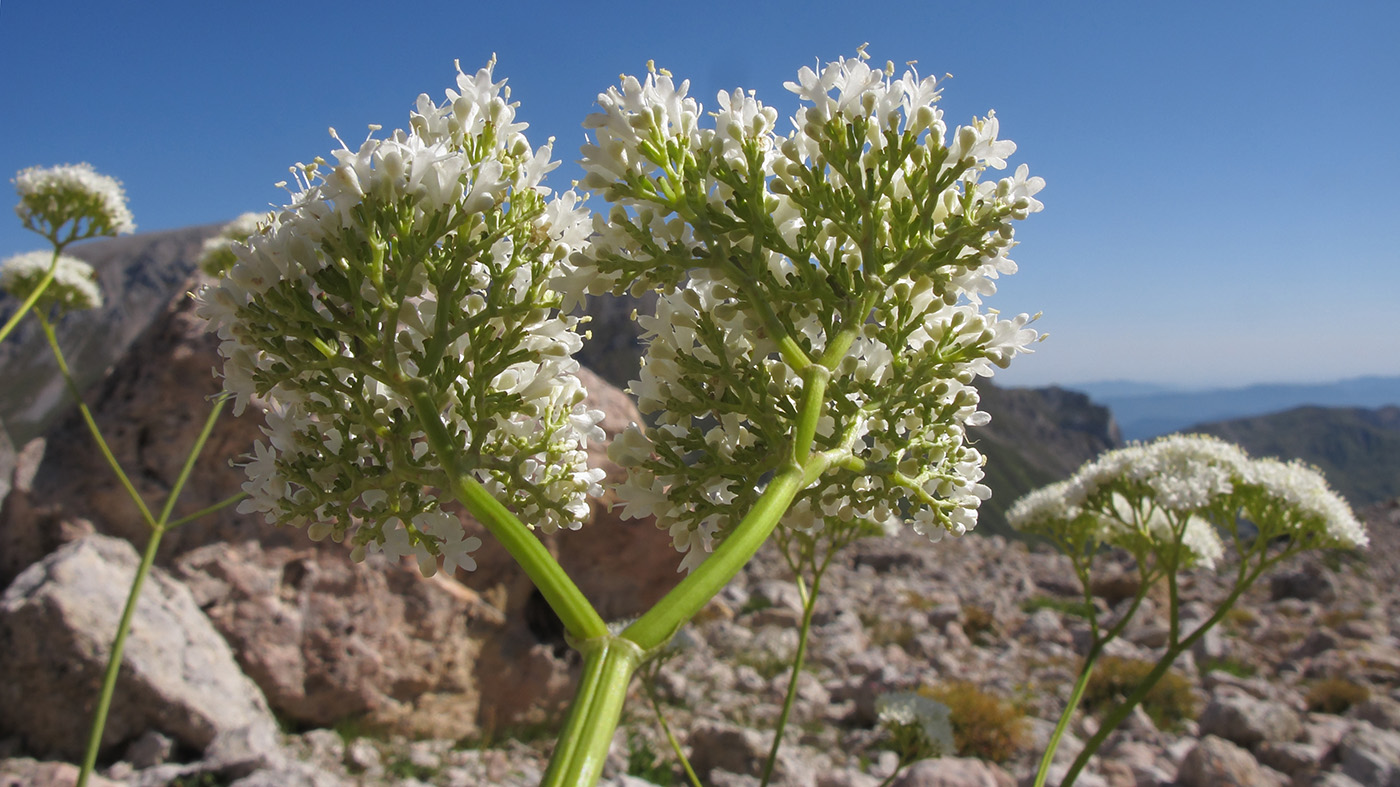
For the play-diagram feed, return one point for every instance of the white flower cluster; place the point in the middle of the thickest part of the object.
(54, 196)
(931, 719)
(862, 241)
(1186, 489)
(74, 284)
(416, 266)
(216, 257)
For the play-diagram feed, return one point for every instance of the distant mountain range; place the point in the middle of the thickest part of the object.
(1357, 450)
(1144, 410)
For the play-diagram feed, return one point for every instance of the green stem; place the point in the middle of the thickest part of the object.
(92, 423)
(1043, 772)
(226, 502)
(1096, 648)
(608, 664)
(809, 603)
(579, 617)
(31, 299)
(1119, 713)
(114, 659)
(670, 736)
(663, 620)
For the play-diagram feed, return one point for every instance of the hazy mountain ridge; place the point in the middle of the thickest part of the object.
(1145, 411)
(1358, 450)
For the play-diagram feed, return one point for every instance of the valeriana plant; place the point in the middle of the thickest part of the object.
(1181, 502)
(64, 204)
(67, 204)
(810, 361)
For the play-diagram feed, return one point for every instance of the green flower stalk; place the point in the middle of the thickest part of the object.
(1176, 504)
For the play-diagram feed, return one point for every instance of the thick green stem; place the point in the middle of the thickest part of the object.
(579, 617)
(583, 744)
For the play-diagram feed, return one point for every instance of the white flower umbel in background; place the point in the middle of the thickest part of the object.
(1176, 504)
(71, 202)
(217, 256)
(820, 297)
(74, 284)
(398, 321)
(65, 204)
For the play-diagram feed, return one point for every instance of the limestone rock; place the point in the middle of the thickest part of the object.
(26, 772)
(1247, 721)
(330, 639)
(1371, 756)
(57, 622)
(1216, 762)
(954, 772)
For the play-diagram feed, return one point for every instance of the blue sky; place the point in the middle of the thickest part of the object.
(1217, 208)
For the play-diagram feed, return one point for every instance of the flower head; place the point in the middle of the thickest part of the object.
(74, 284)
(217, 255)
(859, 242)
(1181, 492)
(415, 268)
(75, 194)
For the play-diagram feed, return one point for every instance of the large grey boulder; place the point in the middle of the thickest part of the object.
(57, 622)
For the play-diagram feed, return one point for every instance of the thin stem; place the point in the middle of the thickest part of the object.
(228, 501)
(114, 660)
(1119, 713)
(193, 456)
(809, 603)
(650, 689)
(92, 423)
(1043, 772)
(1096, 648)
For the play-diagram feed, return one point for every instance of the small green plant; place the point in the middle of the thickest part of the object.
(1229, 666)
(402, 766)
(1335, 695)
(884, 632)
(1237, 618)
(644, 763)
(1078, 608)
(979, 623)
(1169, 703)
(985, 726)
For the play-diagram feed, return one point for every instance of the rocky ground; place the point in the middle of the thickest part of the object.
(259, 659)
(1271, 699)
